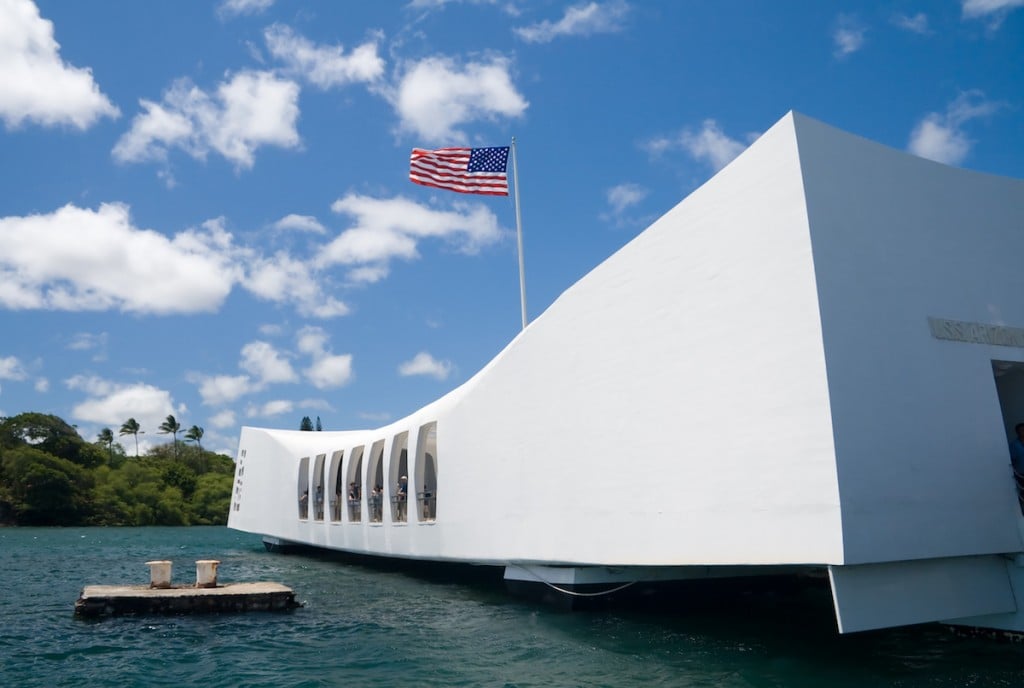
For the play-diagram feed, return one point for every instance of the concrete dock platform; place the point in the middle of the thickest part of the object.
(115, 600)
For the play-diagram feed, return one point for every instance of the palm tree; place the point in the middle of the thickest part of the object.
(195, 434)
(132, 427)
(171, 426)
(106, 437)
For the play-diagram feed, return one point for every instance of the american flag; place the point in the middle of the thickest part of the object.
(466, 170)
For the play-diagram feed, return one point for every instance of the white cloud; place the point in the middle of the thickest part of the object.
(234, 8)
(330, 371)
(428, 4)
(435, 96)
(709, 144)
(323, 66)
(284, 279)
(266, 363)
(36, 85)
(941, 136)
(311, 341)
(223, 389)
(391, 228)
(848, 36)
(425, 364)
(42, 386)
(625, 195)
(620, 199)
(368, 274)
(223, 419)
(327, 369)
(12, 369)
(110, 403)
(250, 110)
(97, 260)
(916, 24)
(85, 341)
(270, 408)
(578, 20)
(270, 330)
(993, 10)
(300, 223)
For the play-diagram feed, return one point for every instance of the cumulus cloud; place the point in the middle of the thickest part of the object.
(97, 260)
(36, 85)
(387, 228)
(249, 110)
(270, 408)
(111, 403)
(994, 11)
(327, 369)
(217, 390)
(425, 364)
(431, 4)
(282, 278)
(435, 96)
(578, 20)
(265, 366)
(322, 65)
(234, 8)
(623, 196)
(223, 419)
(848, 36)
(300, 223)
(86, 341)
(42, 385)
(941, 136)
(266, 363)
(12, 369)
(916, 24)
(709, 144)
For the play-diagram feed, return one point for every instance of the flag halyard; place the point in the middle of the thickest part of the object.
(462, 169)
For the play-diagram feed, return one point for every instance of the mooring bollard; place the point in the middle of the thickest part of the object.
(159, 574)
(206, 573)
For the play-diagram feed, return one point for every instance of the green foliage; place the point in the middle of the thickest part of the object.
(51, 435)
(132, 427)
(195, 434)
(306, 424)
(94, 484)
(45, 490)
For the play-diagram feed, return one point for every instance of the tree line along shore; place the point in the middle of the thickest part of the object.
(51, 476)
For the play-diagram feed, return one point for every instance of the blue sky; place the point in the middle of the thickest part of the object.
(205, 208)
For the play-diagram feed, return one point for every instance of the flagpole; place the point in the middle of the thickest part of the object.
(519, 235)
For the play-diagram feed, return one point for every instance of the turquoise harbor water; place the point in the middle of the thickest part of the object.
(364, 626)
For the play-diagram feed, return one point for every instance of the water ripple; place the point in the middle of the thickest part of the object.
(364, 626)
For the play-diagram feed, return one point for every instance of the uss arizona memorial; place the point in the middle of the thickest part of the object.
(812, 363)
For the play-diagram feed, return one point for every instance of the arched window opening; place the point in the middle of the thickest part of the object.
(302, 487)
(375, 476)
(318, 489)
(398, 478)
(426, 472)
(354, 478)
(337, 483)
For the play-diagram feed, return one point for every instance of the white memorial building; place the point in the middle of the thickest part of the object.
(813, 363)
